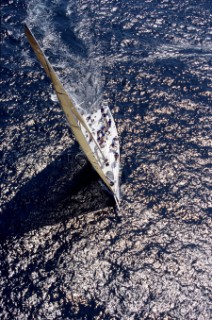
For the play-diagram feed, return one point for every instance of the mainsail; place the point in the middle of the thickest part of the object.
(104, 159)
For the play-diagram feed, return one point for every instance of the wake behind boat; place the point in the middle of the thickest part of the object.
(95, 131)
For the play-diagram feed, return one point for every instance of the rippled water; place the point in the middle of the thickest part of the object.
(65, 252)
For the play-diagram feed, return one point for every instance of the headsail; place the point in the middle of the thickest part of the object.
(78, 124)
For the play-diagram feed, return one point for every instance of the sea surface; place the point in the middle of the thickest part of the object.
(65, 251)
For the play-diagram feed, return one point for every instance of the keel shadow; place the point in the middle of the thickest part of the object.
(65, 189)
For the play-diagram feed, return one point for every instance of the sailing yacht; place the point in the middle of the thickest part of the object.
(94, 130)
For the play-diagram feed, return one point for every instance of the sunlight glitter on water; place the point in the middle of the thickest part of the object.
(63, 246)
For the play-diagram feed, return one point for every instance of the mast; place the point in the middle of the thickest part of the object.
(74, 118)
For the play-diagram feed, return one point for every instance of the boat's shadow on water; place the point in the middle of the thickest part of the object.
(65, 189)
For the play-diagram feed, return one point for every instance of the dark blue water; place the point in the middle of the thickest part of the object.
(65, 253)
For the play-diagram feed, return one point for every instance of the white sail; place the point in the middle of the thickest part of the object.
(96, 133)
